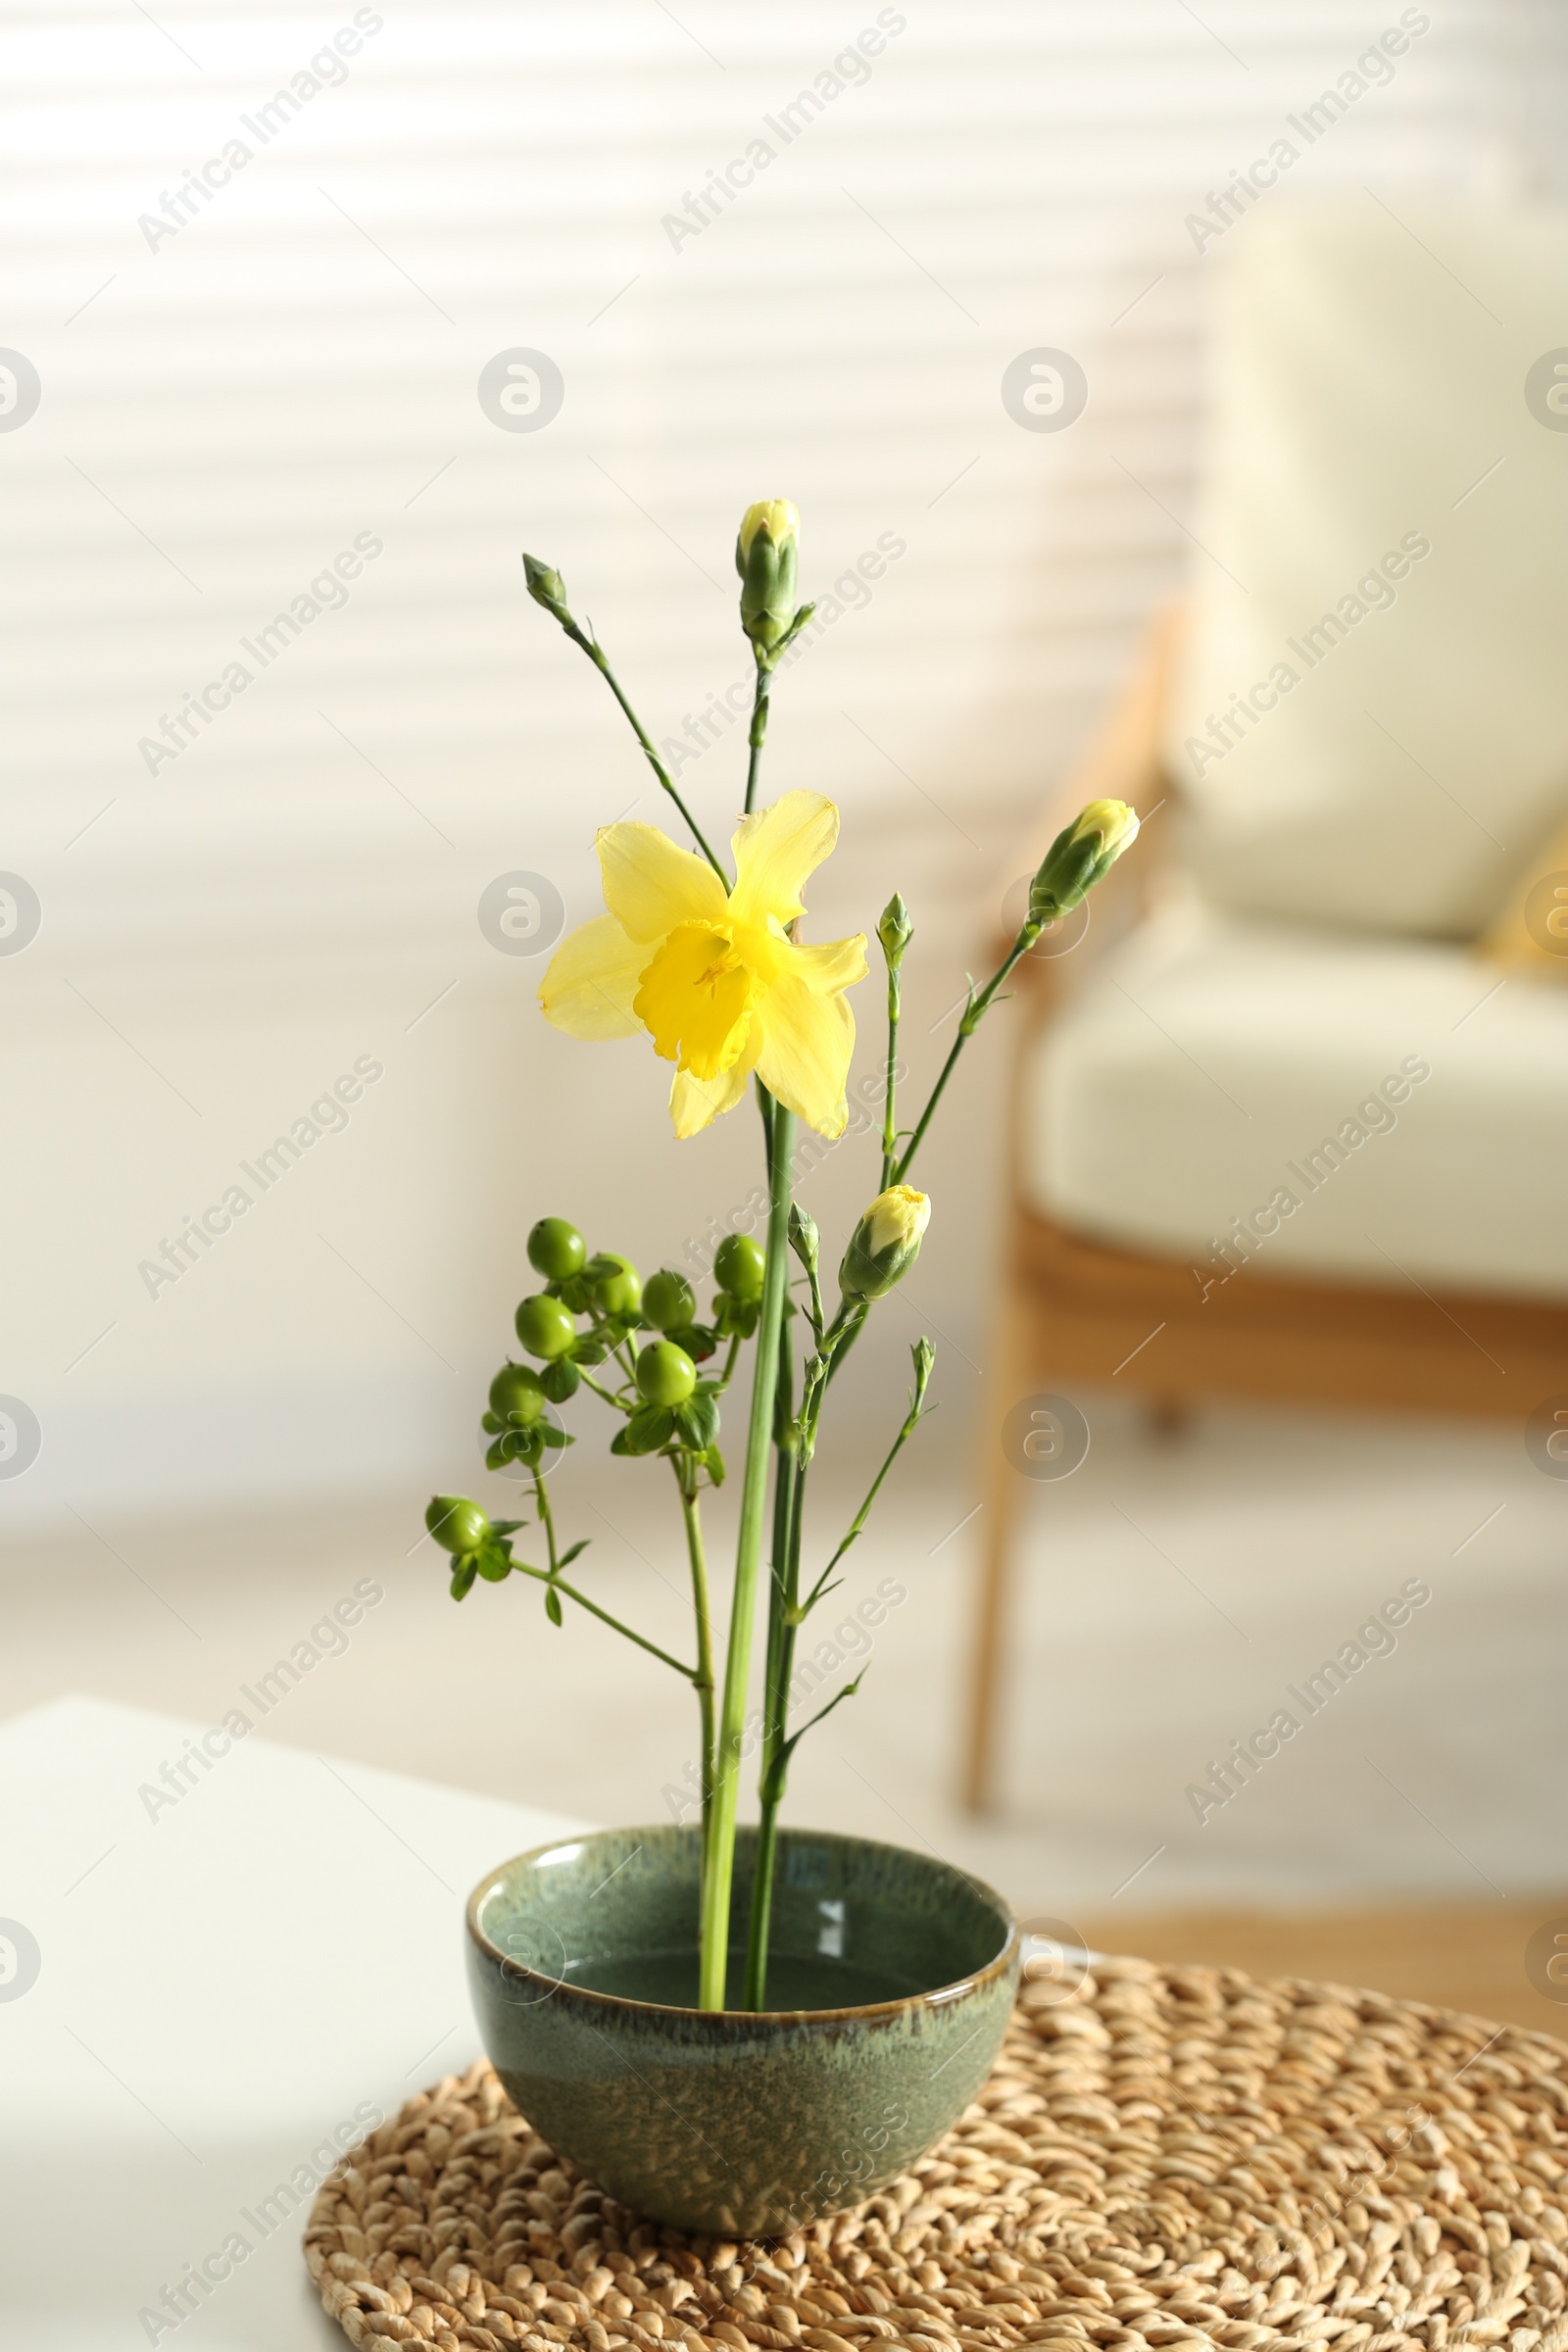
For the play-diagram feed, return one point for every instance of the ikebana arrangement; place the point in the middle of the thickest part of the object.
(704, 959)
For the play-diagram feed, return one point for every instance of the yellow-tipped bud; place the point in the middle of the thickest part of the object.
(886, 1243)
(1080, 854)
(766, 557)
(777, 517)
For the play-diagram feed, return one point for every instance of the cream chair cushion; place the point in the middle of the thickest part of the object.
(1211, 1065)
(1368, 374)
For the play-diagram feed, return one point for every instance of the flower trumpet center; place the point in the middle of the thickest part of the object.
(695, 999)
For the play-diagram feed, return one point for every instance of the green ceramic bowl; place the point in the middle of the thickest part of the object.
(893, 1976)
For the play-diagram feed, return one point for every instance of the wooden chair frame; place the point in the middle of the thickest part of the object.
(1072, 1309)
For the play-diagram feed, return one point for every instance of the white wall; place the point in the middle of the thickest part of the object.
(225, 409)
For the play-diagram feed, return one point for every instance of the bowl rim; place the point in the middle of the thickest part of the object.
(938, 1995)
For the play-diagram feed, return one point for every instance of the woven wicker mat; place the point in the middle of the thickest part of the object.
(1169, 2156)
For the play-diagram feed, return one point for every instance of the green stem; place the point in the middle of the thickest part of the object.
(758, 735)
(890, 1132)
(974, 1014)
(686, 1479)
(546, 1516)
(546, 1575)
(857, 1523)
(786, 1618)
(718, 1869)
(596, 654)
(783, 1620)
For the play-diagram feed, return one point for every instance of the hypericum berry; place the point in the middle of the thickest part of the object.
(738, 1265)
(669, 1301)
(456, 1524)
(557, 1250)
(518, 1395)
(665, 1373)
(619, 1288)
(545, 1327)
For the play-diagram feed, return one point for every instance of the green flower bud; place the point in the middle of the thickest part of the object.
(547, 587)
(895, 930)
(885, 1244)
(617, 1287)
(738, 1268)
(805, 1240)
(516, 1395)
(557, 1250)
(665, 1373)
(456, 1524)
(1081, 854)
(766, 557)
(544, 1326)
(668, 1302)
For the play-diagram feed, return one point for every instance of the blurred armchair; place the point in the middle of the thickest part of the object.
(1279, 1131)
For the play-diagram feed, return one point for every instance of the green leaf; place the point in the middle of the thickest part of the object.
(698, 1421)
(550, 1435)
(589, 1350)
(649, 1427)
(515, 1445)
(506, 1527)
(714, 1464)
(560, 1380)
(619, 1445)
(491, 1422)
(463, 1572)
(552, 1604)
(494, 1566)
(572, 1551)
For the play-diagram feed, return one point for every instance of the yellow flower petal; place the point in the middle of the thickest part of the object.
(693, 1102)
(807, 1041)
(837, 963)
(592, 979)
(650, 886)
(696, 1001)
(774, 852)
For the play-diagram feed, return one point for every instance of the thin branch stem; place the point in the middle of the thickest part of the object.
(546, 1515)
(785, 1613)
(546, 1575)
(686, 1480)
(890, 1133)
(974, 1014)
(916, 1414)
(757, 733)
(596, 656)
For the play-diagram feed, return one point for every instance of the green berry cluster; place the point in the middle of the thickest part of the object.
(667, 1405)
(638, 1344)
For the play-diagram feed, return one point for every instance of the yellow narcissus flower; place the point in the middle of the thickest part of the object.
(710, 974)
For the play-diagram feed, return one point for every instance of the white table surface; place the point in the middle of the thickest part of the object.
(218, 1989)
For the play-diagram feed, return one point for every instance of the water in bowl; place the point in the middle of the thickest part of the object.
(794, 1982)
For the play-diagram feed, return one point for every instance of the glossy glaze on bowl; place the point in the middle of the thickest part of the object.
(582, 1961)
